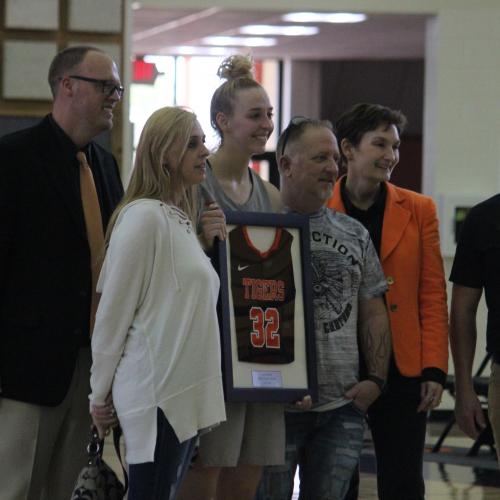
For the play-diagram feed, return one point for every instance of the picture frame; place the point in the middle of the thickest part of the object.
(265, 308)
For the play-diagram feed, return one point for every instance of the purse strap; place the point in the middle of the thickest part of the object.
(94, 448)
(96, 445)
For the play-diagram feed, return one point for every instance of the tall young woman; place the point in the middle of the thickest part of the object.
(156, 340)
(230, 458)
(403, 226)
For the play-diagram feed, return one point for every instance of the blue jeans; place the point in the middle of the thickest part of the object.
(160, 480)
(326, 446)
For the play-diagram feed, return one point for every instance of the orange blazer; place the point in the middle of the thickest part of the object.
(416, 299)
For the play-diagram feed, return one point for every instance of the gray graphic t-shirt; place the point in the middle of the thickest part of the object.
(345, 270)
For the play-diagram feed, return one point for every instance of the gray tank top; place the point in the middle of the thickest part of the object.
(258, 200)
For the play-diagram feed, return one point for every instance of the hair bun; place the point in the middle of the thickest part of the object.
(237, 66)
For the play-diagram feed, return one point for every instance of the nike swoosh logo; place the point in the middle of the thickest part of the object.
(242, 268)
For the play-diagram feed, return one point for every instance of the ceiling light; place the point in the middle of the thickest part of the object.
(239, 41)
(266, 29)
(136, 5)
(188, 50)
(324, 17)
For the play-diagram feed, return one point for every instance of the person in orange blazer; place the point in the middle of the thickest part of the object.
(404, 229)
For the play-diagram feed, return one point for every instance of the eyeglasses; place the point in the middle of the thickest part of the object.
(108, 87)
(295, 123)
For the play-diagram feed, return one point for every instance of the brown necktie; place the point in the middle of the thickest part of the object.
(93, 225)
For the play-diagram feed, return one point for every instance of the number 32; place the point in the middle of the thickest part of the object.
(266, 325)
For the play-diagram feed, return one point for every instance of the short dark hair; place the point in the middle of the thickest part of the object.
(294, 131)
(365, 117)
(65, 61)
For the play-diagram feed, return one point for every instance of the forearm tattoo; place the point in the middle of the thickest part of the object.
(374, 337)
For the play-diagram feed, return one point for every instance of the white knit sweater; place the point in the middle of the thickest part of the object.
(156, 337)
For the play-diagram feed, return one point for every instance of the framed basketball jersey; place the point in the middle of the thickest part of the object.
(263, 291)
(265, 308)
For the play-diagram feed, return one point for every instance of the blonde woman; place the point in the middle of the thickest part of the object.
(242, 116)
(230, 459)
(155, 345)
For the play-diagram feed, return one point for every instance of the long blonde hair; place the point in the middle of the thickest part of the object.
(156, 175)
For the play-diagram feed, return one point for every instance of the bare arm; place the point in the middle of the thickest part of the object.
(274, 196)
(375, 336)
(375, 341)
(463, 336)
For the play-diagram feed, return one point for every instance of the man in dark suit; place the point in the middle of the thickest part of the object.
(46, 280)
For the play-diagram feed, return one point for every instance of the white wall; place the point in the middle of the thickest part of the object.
(462, 137)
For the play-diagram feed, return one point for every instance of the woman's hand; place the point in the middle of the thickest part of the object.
(213, 225)
(430, 395)
(104, 417)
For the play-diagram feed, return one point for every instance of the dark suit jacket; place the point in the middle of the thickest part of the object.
(45, 277)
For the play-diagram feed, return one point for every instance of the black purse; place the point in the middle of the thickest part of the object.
(97, 481)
